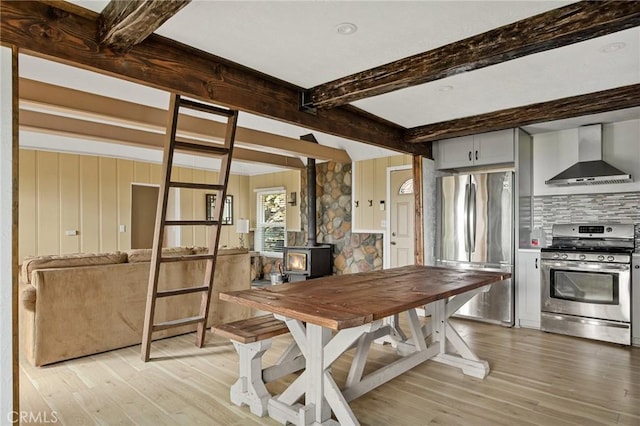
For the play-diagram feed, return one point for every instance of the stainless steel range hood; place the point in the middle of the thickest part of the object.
(590, 168)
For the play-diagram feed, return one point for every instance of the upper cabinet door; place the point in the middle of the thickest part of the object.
(455, 152)
(476, 150)
(493, 148)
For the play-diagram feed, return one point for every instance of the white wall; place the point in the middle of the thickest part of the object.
(553, 152)
(6, 279)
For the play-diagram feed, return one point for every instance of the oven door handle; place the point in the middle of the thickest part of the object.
(584, 266)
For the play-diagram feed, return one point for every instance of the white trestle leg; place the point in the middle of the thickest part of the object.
(250, 389)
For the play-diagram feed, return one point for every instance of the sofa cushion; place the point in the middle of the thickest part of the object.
(33, 263)
(144, 255)
(221, 251)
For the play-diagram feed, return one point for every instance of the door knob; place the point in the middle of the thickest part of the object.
(393, 243)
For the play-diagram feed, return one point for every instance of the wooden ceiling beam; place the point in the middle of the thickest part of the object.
(56, 32)
(65, 126)
(123, 24)
(549, 30)
(574, 106)
(70, 101)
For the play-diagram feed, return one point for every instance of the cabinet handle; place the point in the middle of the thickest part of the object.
(536, 263)
(469, 155)
(476, 155)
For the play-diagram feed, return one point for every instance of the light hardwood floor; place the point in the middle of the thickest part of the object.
(536, 379)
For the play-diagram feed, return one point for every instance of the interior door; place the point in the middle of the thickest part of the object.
(402, 218)
(144, 202)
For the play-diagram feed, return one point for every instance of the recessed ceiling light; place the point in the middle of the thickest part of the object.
(445, 88)
(612, 47)
(346, 28)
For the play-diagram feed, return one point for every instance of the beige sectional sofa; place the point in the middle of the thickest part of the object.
(82, 304)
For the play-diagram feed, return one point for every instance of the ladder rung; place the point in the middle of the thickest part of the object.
(200, 147)
(187, 103)
(190, 185)
(187, 257)
(178, 291)
(177, 323)
(190, 222)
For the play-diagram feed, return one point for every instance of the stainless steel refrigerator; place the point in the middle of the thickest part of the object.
(474, 229)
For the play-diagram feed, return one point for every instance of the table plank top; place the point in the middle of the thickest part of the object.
(343, 301)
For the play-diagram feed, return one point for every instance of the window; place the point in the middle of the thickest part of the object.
(271, 218)
(406, 187)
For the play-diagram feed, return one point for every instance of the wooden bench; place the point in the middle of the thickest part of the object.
(251, 338)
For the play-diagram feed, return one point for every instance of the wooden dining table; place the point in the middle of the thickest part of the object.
(330, 315)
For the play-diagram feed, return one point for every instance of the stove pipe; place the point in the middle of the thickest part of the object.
(311, 201)
(311, 194)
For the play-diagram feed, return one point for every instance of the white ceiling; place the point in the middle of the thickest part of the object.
(297, 41)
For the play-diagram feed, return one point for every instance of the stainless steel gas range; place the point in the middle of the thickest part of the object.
(586, 281)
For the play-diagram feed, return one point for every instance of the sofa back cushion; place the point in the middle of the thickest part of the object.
(33, 263)
(221, 251)
(144, 255)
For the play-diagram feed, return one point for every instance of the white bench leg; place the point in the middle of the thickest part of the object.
(250, 389)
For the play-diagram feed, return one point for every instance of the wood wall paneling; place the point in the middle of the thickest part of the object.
(89, 206)
(48, 202)
(199, 232)
(108, 200)
(28, 232)
(379, 191)
(125, 178)
(142, 172)
(69, 203)
(186, 205)
(61, 192)
(370, 183)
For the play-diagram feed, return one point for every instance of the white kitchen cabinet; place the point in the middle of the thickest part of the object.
(528, 288)
(476, 150)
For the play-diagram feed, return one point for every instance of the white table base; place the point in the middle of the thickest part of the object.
(322, 394)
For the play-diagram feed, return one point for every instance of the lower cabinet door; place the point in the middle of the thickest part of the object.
(528, 289)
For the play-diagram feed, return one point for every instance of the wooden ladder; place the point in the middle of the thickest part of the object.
(224, 152)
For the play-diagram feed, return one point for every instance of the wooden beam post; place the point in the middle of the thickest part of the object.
(60, 33)
(573, 23)
(419, 208)
(123, 24)
(574, 106)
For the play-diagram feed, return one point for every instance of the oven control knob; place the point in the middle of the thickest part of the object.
(565, 256)
(582, 257)
(609, 229)
(556, 256)
(601, 257)
(610, 258)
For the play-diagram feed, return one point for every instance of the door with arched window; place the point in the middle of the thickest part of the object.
(401, 218)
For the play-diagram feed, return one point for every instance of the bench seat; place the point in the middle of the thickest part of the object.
(253, 329)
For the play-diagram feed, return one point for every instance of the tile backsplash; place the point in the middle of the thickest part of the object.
(621, 207)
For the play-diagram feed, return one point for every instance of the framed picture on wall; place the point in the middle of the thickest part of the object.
(227, 209)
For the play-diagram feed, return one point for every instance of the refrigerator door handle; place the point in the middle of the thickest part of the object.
(474, 215)
(467, 240)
